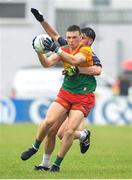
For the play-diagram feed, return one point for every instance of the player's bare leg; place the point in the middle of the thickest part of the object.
(55, 112)
(49, 144)
(75, 118)
(81, 133)
(77, 134)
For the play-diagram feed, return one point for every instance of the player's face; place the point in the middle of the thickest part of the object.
(73, 39)
(86, 40)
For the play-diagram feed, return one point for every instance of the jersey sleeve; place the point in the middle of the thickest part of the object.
(87, 52)
(62, 41)
(96, 60)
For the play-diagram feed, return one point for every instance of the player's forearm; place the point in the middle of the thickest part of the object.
(69, 58)
(43, 60)
(91, 70)
(47, 27)
(50, 30)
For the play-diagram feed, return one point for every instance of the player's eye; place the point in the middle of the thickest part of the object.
(84, 37)
(74, 37)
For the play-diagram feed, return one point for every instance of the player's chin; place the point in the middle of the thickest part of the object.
(73, 46)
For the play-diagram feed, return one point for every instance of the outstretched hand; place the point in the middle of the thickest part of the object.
(37, 14)
(50, 45)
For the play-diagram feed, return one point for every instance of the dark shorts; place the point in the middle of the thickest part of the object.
(70, 101)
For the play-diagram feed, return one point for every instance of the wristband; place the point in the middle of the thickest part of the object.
(58, 50)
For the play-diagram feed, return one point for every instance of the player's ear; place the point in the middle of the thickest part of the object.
(91, 41)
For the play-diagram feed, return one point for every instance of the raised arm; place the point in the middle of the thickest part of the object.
(47, 27)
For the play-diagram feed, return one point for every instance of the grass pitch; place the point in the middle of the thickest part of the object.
(109, 157)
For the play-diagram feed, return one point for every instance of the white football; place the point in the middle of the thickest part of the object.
(38, 43)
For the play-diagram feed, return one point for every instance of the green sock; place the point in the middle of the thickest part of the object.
(58, 161)
(36, 144)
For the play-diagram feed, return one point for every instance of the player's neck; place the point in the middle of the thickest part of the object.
(75, 50)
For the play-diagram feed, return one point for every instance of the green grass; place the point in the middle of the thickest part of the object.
(109, 157)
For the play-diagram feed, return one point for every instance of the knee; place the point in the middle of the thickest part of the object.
(60, 134)
(52, 132)
(48, 122)
(69, 133)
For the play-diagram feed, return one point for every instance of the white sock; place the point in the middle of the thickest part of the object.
(82, 135)
(45, 160)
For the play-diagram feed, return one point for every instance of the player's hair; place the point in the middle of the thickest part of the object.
(73, 28)
(89, 32)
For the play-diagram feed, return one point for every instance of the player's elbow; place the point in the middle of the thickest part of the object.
(45, 65)
(56, 37)
(98, 71)
(60, 135)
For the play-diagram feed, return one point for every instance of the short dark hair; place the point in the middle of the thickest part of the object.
(74, 28)
(89, 32)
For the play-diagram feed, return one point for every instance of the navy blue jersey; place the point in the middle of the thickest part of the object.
(96, 60)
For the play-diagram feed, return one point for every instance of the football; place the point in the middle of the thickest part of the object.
(38, 43)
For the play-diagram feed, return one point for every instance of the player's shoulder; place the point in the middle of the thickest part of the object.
(86, 49)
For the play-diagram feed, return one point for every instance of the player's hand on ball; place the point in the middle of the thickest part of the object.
(33, 42)
(50, 45)
(70, 71)
(38, 45)
(37, 14)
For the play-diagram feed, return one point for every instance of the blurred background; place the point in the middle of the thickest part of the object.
(112, 22)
